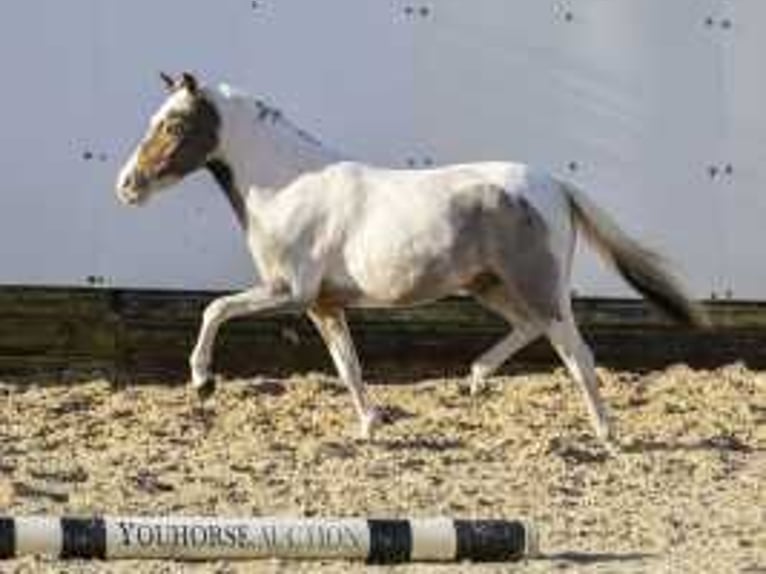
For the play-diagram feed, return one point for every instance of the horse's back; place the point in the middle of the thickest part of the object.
(422, 193)
(442, 178)
(515, 178)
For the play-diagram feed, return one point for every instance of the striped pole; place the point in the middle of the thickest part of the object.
(200, 538)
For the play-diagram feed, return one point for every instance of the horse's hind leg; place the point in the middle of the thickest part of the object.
(574, 352)
(524, 332)
(332, 326)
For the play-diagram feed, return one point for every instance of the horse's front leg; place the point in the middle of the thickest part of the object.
(254, 300)
(332, 326)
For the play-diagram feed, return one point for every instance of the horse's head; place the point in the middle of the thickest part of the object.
(182, 137)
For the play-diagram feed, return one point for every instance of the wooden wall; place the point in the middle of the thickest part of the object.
(49, 330)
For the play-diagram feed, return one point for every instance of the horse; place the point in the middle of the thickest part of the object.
(327, 233)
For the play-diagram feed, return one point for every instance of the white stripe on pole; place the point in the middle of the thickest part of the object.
(38, 535)
(433, 539)
(221, 538)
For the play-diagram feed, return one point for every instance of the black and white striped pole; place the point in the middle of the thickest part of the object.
(377, 541)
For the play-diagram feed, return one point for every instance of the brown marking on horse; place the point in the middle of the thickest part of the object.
(181, 142)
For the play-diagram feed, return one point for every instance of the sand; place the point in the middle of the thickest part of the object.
(686, 494)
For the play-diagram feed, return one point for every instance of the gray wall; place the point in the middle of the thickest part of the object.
(655, 106)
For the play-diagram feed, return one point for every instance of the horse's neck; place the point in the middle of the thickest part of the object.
(265, 154)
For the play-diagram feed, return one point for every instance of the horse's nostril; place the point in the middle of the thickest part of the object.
(124, 181)
(131, 181)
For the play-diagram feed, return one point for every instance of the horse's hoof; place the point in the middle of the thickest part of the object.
(370, 421)
(608, 438)
(479, 388)
(205, 389)
(611, 446)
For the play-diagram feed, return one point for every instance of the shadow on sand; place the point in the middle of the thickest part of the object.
(721, 443)
(419, 442)
(587, 558)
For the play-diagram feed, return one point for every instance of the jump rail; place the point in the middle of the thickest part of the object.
(377, 541)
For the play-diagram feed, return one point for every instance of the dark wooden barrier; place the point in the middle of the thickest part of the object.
(141, 331)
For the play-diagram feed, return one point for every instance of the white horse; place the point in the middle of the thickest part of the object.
(327, 234)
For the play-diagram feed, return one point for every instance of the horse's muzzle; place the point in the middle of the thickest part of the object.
(130, 186)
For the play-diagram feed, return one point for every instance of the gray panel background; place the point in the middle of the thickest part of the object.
(637, 100)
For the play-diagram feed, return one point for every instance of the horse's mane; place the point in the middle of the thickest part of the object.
(268, 112)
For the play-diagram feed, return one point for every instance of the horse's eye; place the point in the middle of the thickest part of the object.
(174, 129)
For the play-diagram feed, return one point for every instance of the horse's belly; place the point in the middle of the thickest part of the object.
(410, 272)
(381, 296)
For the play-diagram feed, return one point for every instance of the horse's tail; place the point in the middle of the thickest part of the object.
(643, 269)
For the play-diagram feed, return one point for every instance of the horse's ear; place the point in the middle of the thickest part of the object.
(189, 82)
(168, 80)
